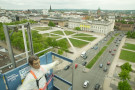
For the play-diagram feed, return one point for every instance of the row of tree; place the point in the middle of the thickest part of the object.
(125, 77)
(130, 34)
(125, 22)
(39, 42)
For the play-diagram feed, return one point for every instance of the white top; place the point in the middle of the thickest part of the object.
(30, 82)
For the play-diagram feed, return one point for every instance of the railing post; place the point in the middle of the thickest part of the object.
(10, 50)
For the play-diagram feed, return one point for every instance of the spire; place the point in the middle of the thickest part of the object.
(50, 8)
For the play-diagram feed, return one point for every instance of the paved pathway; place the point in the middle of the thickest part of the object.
(128, 50)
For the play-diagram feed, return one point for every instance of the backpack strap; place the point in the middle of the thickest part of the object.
(37, 80)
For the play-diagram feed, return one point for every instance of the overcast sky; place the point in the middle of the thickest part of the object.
(69, 4)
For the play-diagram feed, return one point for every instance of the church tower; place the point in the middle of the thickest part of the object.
(50, 8)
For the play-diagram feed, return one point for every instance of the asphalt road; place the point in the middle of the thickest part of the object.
(96, 74)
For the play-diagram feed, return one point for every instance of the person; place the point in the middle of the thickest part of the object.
(35, 79)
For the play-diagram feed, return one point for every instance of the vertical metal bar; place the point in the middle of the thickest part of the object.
(30, 39)
(10, 50)
(25, 42)
(73, 75)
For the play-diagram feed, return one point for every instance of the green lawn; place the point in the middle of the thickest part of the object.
(78, 43)
(51, 35)
(42, 28)
(87, 38)
(129, 46)
(66, 41)
(58, 32)
(108, 43)
(45, 34)
(93, 61)
(82, 34)
(127, 55)
(69, 32)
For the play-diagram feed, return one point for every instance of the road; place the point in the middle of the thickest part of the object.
(96, 74)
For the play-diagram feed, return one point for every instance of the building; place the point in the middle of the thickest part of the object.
(94, 26)
(5, 19)
(124, 27)
(45, 12)
(36, 17)
(60, 22)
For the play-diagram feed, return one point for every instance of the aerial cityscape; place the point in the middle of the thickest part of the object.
(67, 45)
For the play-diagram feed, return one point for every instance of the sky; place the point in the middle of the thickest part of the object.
(69, 4)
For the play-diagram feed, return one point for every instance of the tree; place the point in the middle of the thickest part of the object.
(2, 35)
(124, 75)
(63, 44)
(51, 24)
(60, 51)
(77, 28)
(126, 66)
(124, 85)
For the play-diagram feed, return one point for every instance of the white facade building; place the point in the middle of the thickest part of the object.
(5, 19)
(45, 12)
(94, 26)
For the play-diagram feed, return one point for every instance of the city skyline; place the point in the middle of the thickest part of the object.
(69, 4)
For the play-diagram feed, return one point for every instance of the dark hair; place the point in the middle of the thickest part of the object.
(32, 58)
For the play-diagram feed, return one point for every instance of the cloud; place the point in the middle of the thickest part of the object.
(67, 4)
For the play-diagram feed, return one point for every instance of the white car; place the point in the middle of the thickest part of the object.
(86, 83)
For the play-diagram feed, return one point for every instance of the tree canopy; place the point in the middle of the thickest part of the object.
(51, 24)
(126, 66)
(124, 75)
(77, 28)
(130, 34)
(124, 85)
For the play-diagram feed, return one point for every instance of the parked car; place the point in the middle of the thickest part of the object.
(86, 83)
(114, 50)
(110, 51)
(97, 86)
(108, 63)
(92, 47)
(97, 44)
(67, 67)
(105, 69)
(84, 63)
(113, 54)
(96, 48)
(101, 65)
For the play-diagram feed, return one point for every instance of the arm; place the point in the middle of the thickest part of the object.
(50, 66)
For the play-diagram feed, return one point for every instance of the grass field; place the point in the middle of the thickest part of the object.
(86, 38)
(58, 32)
(82, 34)
(78, 43)
(69, 32)
(93, 61)
(51, 35)
(66, 41)
(127, 55)
(42, 28)
(129, 46)
(109, 42)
